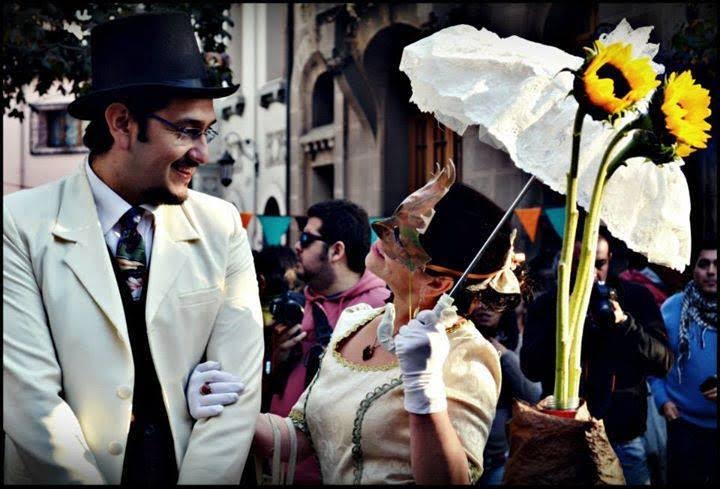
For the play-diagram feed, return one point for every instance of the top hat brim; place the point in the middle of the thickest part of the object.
(87, 107)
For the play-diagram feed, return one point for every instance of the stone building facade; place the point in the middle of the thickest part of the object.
(353, 132)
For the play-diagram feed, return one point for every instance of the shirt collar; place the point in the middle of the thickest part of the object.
(109, 204)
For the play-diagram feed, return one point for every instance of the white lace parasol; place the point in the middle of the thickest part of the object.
(514, 91)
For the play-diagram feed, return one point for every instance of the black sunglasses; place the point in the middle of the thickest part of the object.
(306, 239)
(600, 263)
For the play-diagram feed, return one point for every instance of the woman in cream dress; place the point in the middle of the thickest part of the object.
(403, 396)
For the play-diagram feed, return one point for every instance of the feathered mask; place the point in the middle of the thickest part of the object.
(400, 233)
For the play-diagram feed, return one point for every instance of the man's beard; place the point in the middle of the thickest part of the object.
(321, 279)
(162, 195)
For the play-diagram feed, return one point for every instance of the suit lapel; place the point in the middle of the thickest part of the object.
(88, 258)
(169, 254)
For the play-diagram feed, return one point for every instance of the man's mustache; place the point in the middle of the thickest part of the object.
(185, 163)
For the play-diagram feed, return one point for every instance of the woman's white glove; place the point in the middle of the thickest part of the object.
(422, 347)
(209, 389)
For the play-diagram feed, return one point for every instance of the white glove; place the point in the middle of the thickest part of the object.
(422, 347)
(221, 388)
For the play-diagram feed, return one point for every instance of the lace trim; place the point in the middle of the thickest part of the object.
(357, 452)
(456, 326)
(355, 366)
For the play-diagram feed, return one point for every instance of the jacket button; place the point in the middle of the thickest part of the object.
(115, 448)
(124, 392)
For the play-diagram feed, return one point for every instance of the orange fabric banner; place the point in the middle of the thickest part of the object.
(529, 219)
(245, 217)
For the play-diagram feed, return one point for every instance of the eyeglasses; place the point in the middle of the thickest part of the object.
(600, 263)
(306, 239)
(704, 263)
(187, 133)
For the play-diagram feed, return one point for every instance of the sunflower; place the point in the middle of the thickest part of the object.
(685, 106)
(611, 81)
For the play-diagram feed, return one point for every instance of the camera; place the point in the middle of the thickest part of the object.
(600, 307)
(288, 308)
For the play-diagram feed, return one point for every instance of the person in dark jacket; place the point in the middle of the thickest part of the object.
(618, 354)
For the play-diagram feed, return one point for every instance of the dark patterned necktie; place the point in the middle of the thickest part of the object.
(130, 254)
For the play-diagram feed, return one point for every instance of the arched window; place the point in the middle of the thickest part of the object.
(323, 101)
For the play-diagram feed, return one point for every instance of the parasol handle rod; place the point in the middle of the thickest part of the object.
(504, 218)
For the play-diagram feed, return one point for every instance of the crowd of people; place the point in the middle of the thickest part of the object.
(632, 368)
(331, 361)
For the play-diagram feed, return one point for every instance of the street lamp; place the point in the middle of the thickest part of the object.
(226, 163)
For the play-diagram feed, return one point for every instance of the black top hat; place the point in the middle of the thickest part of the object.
(144, 51)
(463, 220)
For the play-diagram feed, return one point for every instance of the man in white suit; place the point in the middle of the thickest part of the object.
(118, 280)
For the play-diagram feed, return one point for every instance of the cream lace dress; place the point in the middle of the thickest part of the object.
(354, 414)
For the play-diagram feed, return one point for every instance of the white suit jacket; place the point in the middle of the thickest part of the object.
(67, 365)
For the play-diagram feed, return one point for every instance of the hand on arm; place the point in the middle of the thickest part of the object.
(236, 341)
(209, 389)
(225, 389)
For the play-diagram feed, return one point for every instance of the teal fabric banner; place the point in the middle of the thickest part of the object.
(274, 227)
(556, 215)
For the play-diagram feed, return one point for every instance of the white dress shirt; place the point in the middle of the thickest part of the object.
(111, 207)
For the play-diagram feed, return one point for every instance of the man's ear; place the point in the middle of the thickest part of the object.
(119, 121)
(336, 251)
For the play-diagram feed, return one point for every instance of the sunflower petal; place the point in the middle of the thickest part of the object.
(685, 106)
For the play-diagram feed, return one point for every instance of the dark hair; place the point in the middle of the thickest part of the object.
(703, 244)
(272, 263)
(140, 104)
(636, 261)
(345, 221)
(603, 233)
(463, 220)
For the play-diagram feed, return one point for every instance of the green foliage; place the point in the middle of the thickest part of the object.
(38, 47)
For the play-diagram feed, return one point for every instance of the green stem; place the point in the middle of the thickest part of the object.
(580, 298)
(562, 325)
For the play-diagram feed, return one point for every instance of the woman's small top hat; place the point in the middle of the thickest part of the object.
(148, 51)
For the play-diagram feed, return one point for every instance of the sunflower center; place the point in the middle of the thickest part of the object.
(622, 87)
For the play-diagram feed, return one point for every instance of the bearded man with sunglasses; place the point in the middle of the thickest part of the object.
(332, 250)
(620, 350)
(118, 280)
